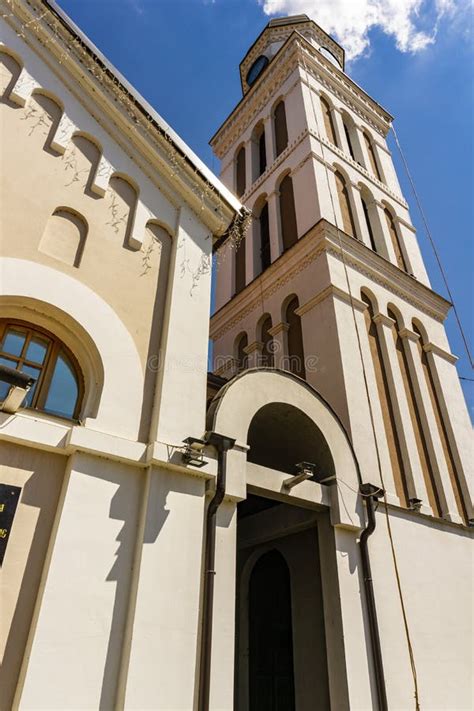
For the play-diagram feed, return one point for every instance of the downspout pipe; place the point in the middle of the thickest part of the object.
(371, 493)
(222, 444)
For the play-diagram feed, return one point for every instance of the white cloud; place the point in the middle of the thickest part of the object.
(412, 23)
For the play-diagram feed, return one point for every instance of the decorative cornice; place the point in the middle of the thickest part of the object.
(432, 348)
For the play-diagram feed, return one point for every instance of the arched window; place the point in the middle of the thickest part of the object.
(368, 222)
(386, 404)
(413, 409)
(240, 274)
(373, 160)
(240, 172)
(441, 424)
(281, 131)
(242, 356)
(328, 124)
(395, 240)
(349, 139)
(267, 359)
(289, 230)
(58, 386)
(295, 339)
(265, 257)
(345, 205)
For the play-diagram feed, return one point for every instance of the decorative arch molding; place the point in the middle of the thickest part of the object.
(233, 408)
(91, 329)
(23, 89)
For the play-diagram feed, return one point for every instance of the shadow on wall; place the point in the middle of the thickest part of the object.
(41, 477)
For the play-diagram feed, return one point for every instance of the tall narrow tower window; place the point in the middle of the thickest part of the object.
(242, 357)
(240, 275)
(295, 339)
(289, 230)
(420, 440)
(386, 406)
(345, 205)
(349, 140)
(264, 238)
(395, 240)
(368, 222)
(281, 131)
(262, 153)
(328, 124)
(240, 172)
(372, 158)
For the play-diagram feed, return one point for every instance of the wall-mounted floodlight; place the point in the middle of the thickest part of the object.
(304, 470)
(19, 384)
(414, 504)
(194, 452)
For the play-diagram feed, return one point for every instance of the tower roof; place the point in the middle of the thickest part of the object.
(274, 35)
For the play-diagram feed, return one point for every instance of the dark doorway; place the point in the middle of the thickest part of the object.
(271, 674)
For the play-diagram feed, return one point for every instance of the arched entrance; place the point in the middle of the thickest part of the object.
(289, 650)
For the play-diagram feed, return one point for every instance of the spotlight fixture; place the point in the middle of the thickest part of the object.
(19, 384)
(194, 452)
(414, 504)
(304, 470)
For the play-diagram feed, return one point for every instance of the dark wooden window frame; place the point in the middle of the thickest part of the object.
(54, 348)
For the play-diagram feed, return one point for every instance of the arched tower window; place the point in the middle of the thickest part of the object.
(395, 240)
(441, 424)
(368, 222)
(267, 358)
(242, 356)
(281, 131)
(386, 406)
(240, 172)
(371, 152)
(265, 256)
(345, 205)
(349, 139)
(240, 272)
(295, 339)
(409, 387)
(58, 388)
(328, 124)
(289, 230)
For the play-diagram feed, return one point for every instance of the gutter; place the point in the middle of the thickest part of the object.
(372, 493)
(222, 444)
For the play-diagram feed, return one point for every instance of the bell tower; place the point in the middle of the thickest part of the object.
(329, 281)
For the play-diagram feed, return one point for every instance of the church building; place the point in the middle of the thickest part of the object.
(289, 532)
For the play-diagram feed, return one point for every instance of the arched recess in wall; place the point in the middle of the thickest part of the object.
(369, 209)
(64, 236)
(259, 151)
(328, 120)
(348, 224)
(240, 171)
(296, 362)
(386, 404)
(280, 127)
(289, 228)
(241, 356)
(10, 70)
(240, 275)
(42, 114)
(349, 131)
(81, 159)
(410, 392)
(262, 235)
(395, 239)
(374, 166)
(121, 198)
(266, 339)
(440, 417)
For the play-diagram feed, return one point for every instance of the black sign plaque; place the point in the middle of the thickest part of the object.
(9, 497)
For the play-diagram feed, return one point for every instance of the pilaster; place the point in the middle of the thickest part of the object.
(270, 148)
(279, 332)
(338, 124)
(276, 243)
(254, 352)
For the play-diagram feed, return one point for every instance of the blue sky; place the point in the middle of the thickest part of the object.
(183, 56)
